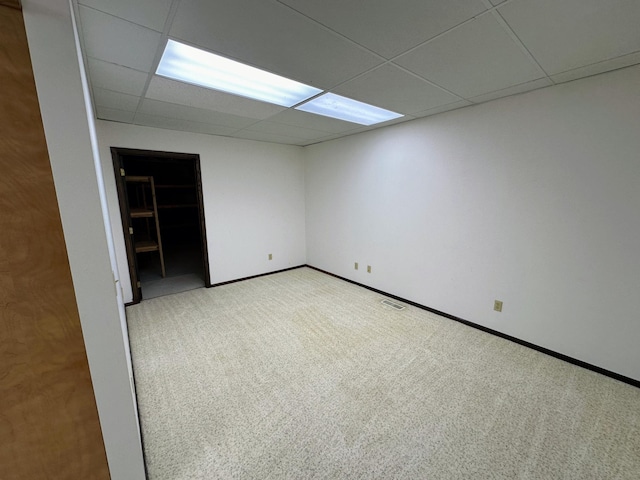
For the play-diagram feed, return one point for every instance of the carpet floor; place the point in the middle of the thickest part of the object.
(299, 375)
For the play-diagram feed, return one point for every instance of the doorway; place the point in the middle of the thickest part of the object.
(162, 210)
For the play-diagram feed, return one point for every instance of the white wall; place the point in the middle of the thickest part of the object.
(62, 96)
(253, 198)
(533, 200)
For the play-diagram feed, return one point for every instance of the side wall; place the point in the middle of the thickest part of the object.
(253, 198)
(532, 200)
(61, 95)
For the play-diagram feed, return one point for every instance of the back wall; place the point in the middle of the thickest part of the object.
(253, 198)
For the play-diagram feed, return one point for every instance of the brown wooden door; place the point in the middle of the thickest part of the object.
(48, 419)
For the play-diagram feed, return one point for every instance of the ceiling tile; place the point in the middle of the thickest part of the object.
(148, 13)
(202, 115)
(573, 33)
(409, 93)
(117, 100)
(596, 68)
(389, 27)
(505, 92)
(326, 139)
(172, 91)
(271, 36)
(300, 133)
(312, 121)
(117, 41)
(476, 58)
(116, 78)
(105, 113)
(182, 125)
(443, 108)
(267, 137)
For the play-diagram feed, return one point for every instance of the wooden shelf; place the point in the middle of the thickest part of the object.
(137, 178)
(147, 246)
(141, 213)
(143, 204)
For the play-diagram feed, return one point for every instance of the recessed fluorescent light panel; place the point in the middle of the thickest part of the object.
(192, 65)
(342, 108)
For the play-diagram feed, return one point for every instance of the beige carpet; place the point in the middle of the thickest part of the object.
(299, 375)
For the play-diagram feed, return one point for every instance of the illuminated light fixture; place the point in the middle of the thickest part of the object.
(198, 67)
(342, 108)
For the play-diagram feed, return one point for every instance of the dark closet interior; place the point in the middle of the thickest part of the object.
(165, 223)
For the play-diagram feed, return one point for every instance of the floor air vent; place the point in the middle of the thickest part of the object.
(395, 306)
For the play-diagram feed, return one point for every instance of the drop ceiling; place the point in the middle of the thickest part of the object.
(415, 57)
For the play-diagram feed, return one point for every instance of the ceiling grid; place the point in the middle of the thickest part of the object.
(413, 57)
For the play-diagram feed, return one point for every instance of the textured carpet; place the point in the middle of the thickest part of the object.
(299, 375)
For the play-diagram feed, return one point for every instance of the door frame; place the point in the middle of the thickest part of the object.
(118, 154)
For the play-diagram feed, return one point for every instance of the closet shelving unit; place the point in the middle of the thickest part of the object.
(174, 197)
(143, 211)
